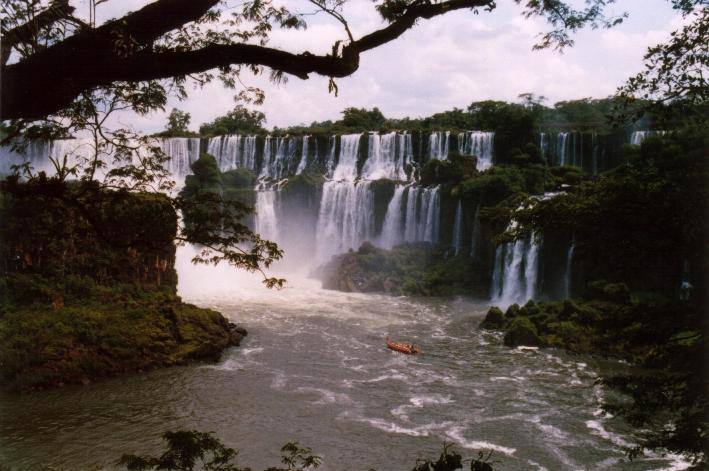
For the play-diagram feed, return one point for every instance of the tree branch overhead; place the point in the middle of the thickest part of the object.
(121, 50)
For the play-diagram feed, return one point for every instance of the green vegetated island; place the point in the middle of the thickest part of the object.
(599, 233)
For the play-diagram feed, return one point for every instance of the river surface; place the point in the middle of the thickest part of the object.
(314, 368)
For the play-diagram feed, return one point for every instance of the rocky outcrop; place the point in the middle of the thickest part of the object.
(88, 287)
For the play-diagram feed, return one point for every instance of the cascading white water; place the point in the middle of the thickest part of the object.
(266, 222)
(349, 152)
(304, 156)
(412, 215)
(515, 274)
(422, 214)
(438, 143)
(233, 151)
(477, 143)
(183, 152)
(457, 229)
(346, 217)
(331, 154)
(393, 227)
(278, 155)
(387, 157)
(561, 147)
(637, 137)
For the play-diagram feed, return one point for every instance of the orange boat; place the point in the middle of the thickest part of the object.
(407, 348)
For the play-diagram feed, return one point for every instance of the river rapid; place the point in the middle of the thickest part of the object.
(315, 368)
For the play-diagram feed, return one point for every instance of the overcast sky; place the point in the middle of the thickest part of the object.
(441, 63)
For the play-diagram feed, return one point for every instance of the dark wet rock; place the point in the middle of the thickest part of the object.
(522, 332)
(512, 311)
(494, 320)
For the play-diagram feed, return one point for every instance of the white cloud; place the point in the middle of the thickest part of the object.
(444, 62)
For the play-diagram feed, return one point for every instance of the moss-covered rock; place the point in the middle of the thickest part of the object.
(88, 286)
(238, 178)
(76, 331)
(512, 311)
(613, 292)
(494, 319)
(522, 332)
(412, 269)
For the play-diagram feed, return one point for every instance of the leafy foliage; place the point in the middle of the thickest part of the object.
(215, 207)
(240, 120)
(674, 81)
(651, 211)
(177, 125)
(185, 450)
(190, 449)
(360, 118)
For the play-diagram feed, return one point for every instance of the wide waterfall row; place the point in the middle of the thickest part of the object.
(182, 152)
(77, 156)
(350, 157)
(346, 216)
(339, 157)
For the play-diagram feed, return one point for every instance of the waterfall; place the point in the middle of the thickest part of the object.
(266, 222)
(278, 154)
(422, 214)
(543, 145)
(330, 162)
(561, 143)
(392, 229)
(346, 217)
(477, 143)
(183, 152)
(233, 151)
(531, 268)
(457, 228)
(304, 156)
(438, 145)
(637, 137)
(347, 163)
(387, 156)
(515, 273)
(567, 271)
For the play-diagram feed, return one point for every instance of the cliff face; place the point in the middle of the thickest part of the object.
(88, 287)
(55, 230)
